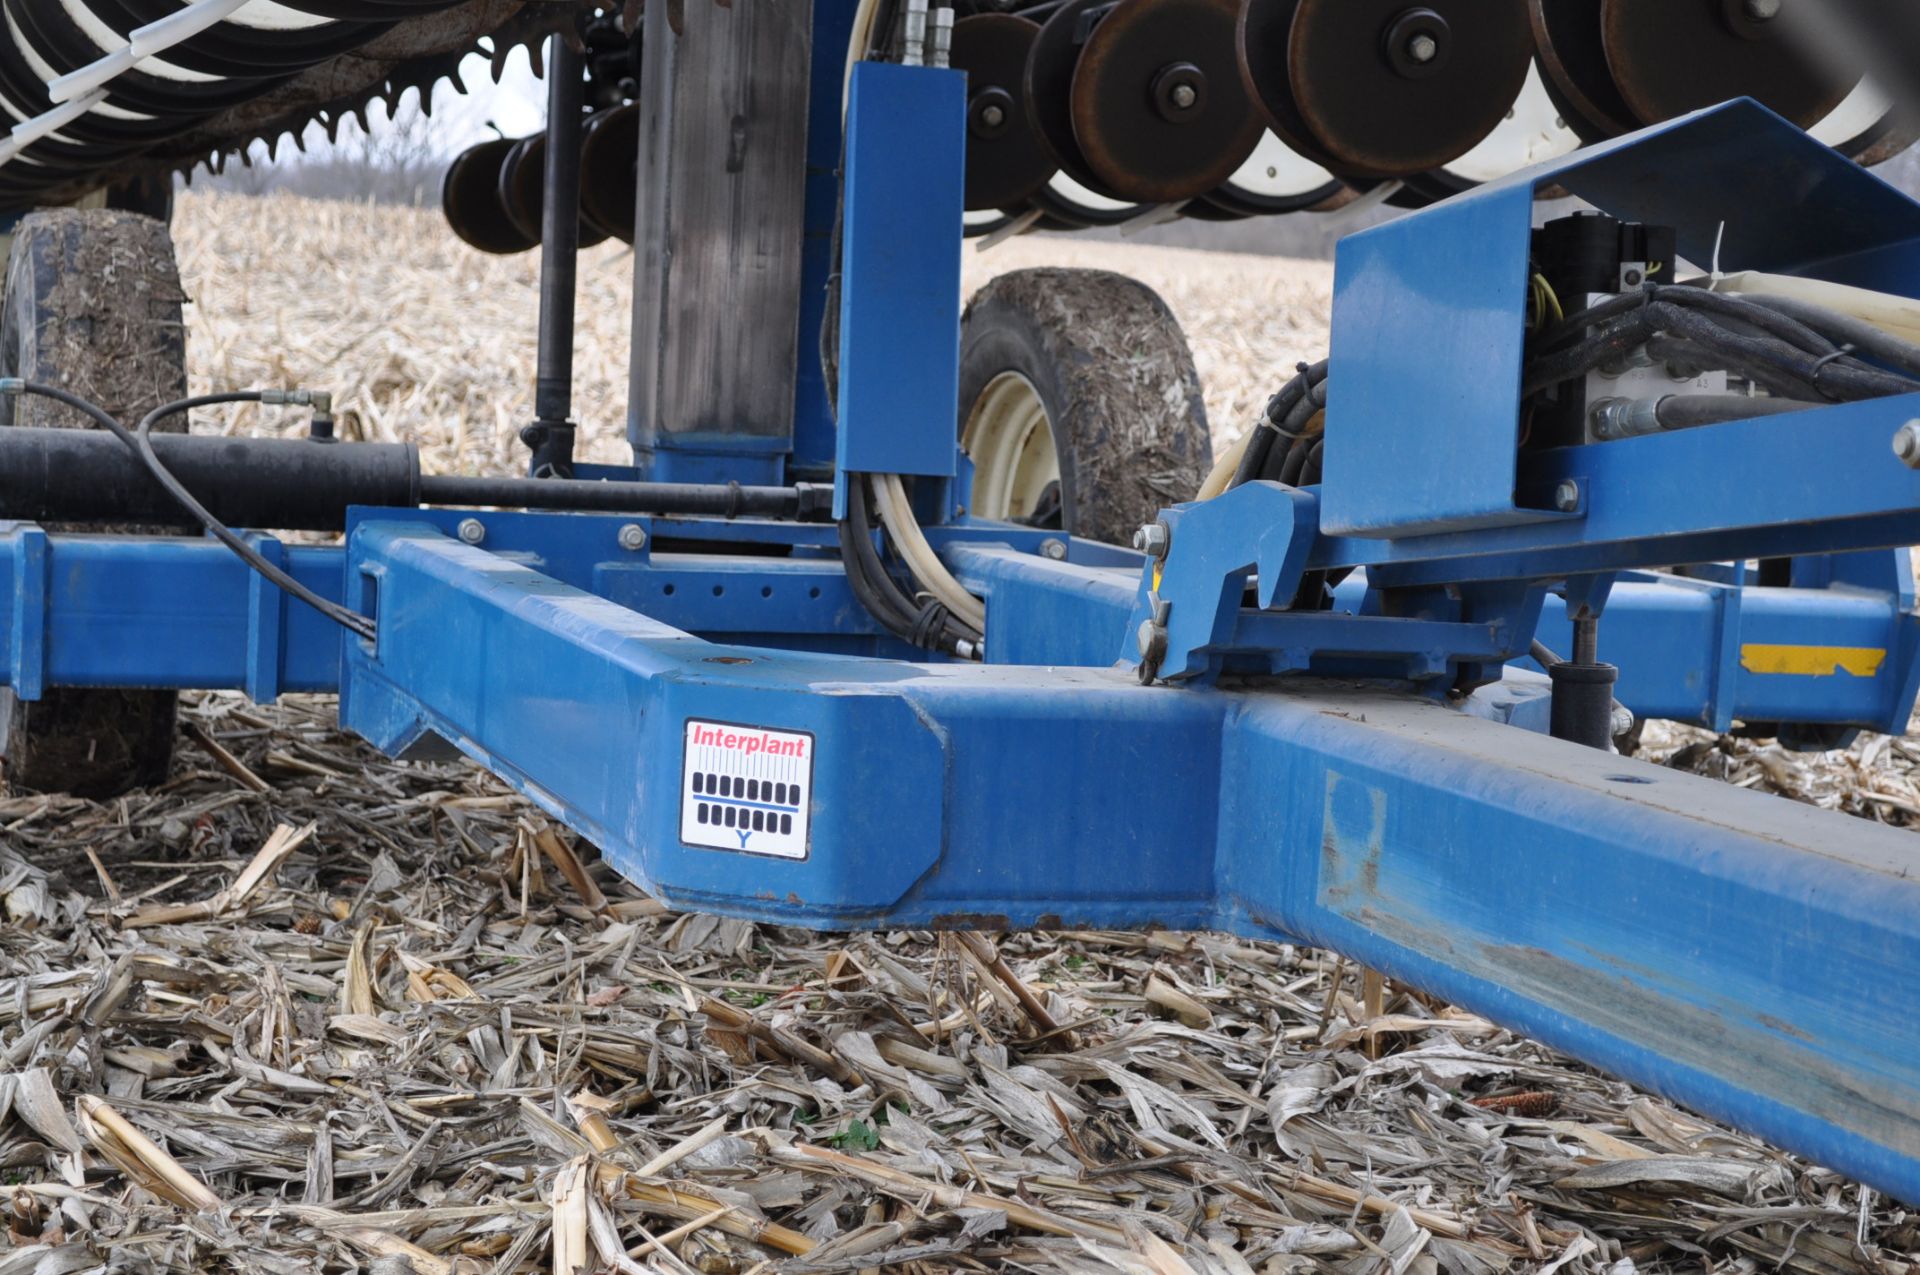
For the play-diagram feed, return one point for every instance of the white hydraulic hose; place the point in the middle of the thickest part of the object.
(897, 517)
(144, 42)
(857, 42)
(1222, 472)
(29, 131)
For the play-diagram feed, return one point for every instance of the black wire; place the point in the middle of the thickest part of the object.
(141, 445)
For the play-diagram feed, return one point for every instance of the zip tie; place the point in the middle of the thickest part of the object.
(1821, 364)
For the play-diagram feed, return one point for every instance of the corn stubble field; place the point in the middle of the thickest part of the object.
(305, 1009)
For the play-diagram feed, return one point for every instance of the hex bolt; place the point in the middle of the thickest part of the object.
(472, 530)
(1183, 96)
(1763, 10)
(1055, 549)
(1566, 497)
(1423, 48)
(1153, 539)
(1906, 444)
(633, 537)
(993, 116)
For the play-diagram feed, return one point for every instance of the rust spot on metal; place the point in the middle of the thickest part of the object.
(972, 921)
(1784, 1027)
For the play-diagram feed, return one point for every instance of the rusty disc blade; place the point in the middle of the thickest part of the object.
(1006, 159)
(609, 171)
(1158, 107)
(1261, 46)
(1573, 64)
(470, 198)
(1669, 57)
(1048, 87)
(1391, 88)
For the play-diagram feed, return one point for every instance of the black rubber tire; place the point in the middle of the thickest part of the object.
(1116, 377)
(92, 305)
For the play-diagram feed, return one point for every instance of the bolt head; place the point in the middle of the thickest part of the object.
(1423, 48)
(472, 530)
(1906, 443)
(1149, 638)
(1566, 497)
(1763, 10)
(1153, 539)
(993, 116)
(1054, 549)
(633, 537)
(1183, 96)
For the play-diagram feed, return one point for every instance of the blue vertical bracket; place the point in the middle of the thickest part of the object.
(1726, 654)
(900, 273)
(266, 622)
(29, 628)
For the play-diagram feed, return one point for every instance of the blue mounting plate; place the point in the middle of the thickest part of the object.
(1429, 310)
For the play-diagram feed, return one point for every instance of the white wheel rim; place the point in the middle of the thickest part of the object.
(1532, 133)
(1862, 109)
(1010, 440)
(1072, 192)
(1277, 171)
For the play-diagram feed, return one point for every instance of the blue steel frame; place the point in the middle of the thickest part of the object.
(1748, 956)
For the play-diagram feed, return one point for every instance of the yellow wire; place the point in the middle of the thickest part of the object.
(1553, 299)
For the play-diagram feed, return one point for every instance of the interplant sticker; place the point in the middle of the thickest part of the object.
(746, 788)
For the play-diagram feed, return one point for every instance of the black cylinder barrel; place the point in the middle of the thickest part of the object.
(89, 476)
(1582, 707)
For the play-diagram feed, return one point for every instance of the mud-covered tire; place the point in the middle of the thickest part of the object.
(92, 305)
(1112, 371)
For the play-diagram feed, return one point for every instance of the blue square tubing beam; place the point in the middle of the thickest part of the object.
(1748, 956)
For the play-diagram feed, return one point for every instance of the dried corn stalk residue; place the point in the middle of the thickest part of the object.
(307, 1009)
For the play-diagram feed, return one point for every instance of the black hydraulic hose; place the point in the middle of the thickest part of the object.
(1293, 429)
(930, 626)
(1674, 350)
(1685, 411)
(1838, 378)
(1272, 428)
(876, 601)
(1741, 309)
(1846, 329)
(1310, 471)
(1295, 463)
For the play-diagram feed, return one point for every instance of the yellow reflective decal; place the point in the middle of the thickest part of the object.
(1812, 661)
